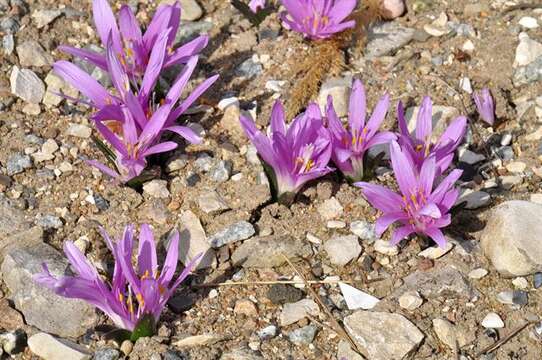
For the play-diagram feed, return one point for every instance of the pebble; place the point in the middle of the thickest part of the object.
(304, 335)
(282, 293)
(204, 162)
(438, 27)
(249, 69)
(241, 230)
(342, 249)
(268, 251)
(492, 321)
(364, 230)
(446, 332)
(126, 347)
(512, 250)
(474, 199)
(293, 312)
(357, 299)
(191, 11)
(17, 163)
(392, 9)
(345, 352)
(48, 221)
(465, 85)
(221, 172)
(55, 84)
(516, 167)
(106, 354)
(508, 182)
(385, 248)
(528, 50)
(198, 340)
(267, 332)
(506, 139)
(31, 53)
(383, 335)
(339, 90)
(468, 46)
(8, 43)
(506, 153)
(537, 280)
(13, 342)
(335, 224)
(478, 273)
(436, 252)
(330, 209)
(245, 307)
(211, 202)
(410, 300)
(470, 157)
(528, 22)
(520, 283)
(193, 241)
(513, 297)
(44, 17)
(79, 131)
(387, 37)
(156, 189)
(26, 85)
(50, 348)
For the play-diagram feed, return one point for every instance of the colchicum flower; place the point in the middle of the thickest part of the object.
(422, 207)
(130, 295)
(350, 146)
(296, 154)
(256, 5)
(420, 146)
(485, 105)
(318, 19)
(132, 47)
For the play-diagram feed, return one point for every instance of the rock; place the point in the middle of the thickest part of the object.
(293, 312)
(478, 273)
(528, 74)
(520, 283)
(267, 251)
(48, 347)
(13, 342)
(330, 209)
(26, 85)
(492, 321)
(56, 84)
(385, 248)
(410, 300)
(48, 148)
(345, 352)
(17, 163)
(241, 354)
(364, 230)
(156, 189)
(191, 11)
(245, 307)
(282, 293)
(470, 157)
(267, 332)
(386, 38)
(342, 249)
(449, 335)
(221, 172)
(508, 182)
(339, 90)
(210, 202)
(41, 307)
(249, 69)
(465, 85)
(79, 131)
(528, 50)
(15, 232)
(383, 335)
(438, 27)
(512, 250)
(357, 299)
(45, 17)
(515, 297)
(193, 241)
(445, 281)
(31, 53)
(537, 280)
(436, 252)
(48, 222)
(442, 116)
(304, 335)
(190, 30)
(32, 109)
(8, 43)
(392, 9)
(516, 167)
(126, 347)
(475, 9)
(107, 354)
(11, 319)
(474, 199)
(241, 230)
(528, 22)
(198, 340)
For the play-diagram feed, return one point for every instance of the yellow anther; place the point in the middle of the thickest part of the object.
(419, 147)
(121, 298)
(310, 165)
(140, 299)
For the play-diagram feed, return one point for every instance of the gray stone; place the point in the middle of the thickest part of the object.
(342, 249)
(537, 280)
(210, 202)
(26, 85)
(107, 354)
(8, 43)
(79, 131)
(528, 50)
(13, 342)
(528, 74)
(204, 162)
(193, 241)
(383, 335)
(330, 209)
(364, 230)
(293, 312)
(304, 335)
(190, 30)
(48, 347)
(45, 17)
(410, 300)
(268, 251)
(12, 220)
(267, 332)
(241, 354)
(474, 199)
(241, 230)
(221, 172)
(513, 297)
(156, 189)
(249, 69)
(339, 90)
(31, 53)
(21, 238)
(282, 293)
(450, 335)
(17, 163)
(345, 352)
(40, 306)
(386, 38)
(190, 10)
(49, 222)
(512, 250)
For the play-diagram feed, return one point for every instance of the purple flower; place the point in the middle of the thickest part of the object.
(318, 19)
(422, 207)
(256, 5)
(296, 154)
(133, 48)
(349, 146)
(132, 293)
(420, 146)
(485, 105)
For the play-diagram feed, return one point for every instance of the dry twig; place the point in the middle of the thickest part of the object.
(270, 282)
(505, 339)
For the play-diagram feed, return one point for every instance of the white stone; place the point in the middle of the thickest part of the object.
(156, 189)
(474, 199)
(438, 27)
(536, 198)
(436, 252)
(330, 209)
(191, 10)
(275, 85)
(527, 51)
(224, 103)
(528, 22)
(520, 283)
(335, 224)
(410, 300)
(478, 273)
(339, 89)
(465, 85)
(342, 249)
(293, 312)
(357, 299)
(516, 167)
(470, 157)
(384, 247)
(492, 321)
(468, 46)
(193, 241)
(79, 130)
(48, 347)
(26, 85)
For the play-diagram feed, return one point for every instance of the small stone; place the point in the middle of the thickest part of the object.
(304, 335)
(79, 131)
(339, 90)
(335, 224)
(468, 46)
(269, 251)
(438, 27)
(106, 354)
(8, 43)
(282, 293)
(537, 281)
(11, 319)
(357, 299)
(386, 38)
(13, 342)
(44, 17)
(528, 22)
(506, 139)
(249, 69)
(55, 84)
(343, 249)
(492, 321)
(221, 172)
(474, 199)
(268, 332)
(364, 230)
(198, 340)
(204, 162)
(478, 273)
(211, 202)
(330, 209)
(293, 312)
(513, 297)
(32, 54)
(392, 9)
(410, 300)
(345, 352)
(27, 85)
(385, 248)
(520, 283)
(246, 308)
(516, 167)
(446, 332)
(50, 348)
(241, 230)
(156, 189)
(126, 347)
(18, 163)
(465, 85)
(193, 241)
(49, 222)
(470, 157)
(436, 252)
(528, 51)
(32, 109)
(506, 153)
(191, 11)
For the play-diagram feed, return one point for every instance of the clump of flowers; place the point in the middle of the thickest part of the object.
(350, 146)
(420, 146)
(318, 19)
(296, 154)
(422, 206)
(485, 105)
(132, 298)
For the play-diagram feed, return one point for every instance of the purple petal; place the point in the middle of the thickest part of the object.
(424, 124)
(431, 210)
(401, 119)
(159, 24)
(104, 20)
(180, 82)
(403, 170)
(341, 10)
(170, 264)
(136, 110)
(437, 236)
(401, 233)
(88, 55)
(386, 220)
(185, 52)
(155, 65)
(427, 175)
(278, 118)
(383, 137)
(129, 26)
(79, 262)
(381, 197)
(357, 108)
(378, 116)
(111, 138)
(105, 169)
(118, 75)
(194, 95)
(454, 133)
(146, 259)
(186, 133)
(160, 148)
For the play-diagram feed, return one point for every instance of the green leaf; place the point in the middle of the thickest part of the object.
(108, 153)
(255, 19)
(144, 328)
(271, 177)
